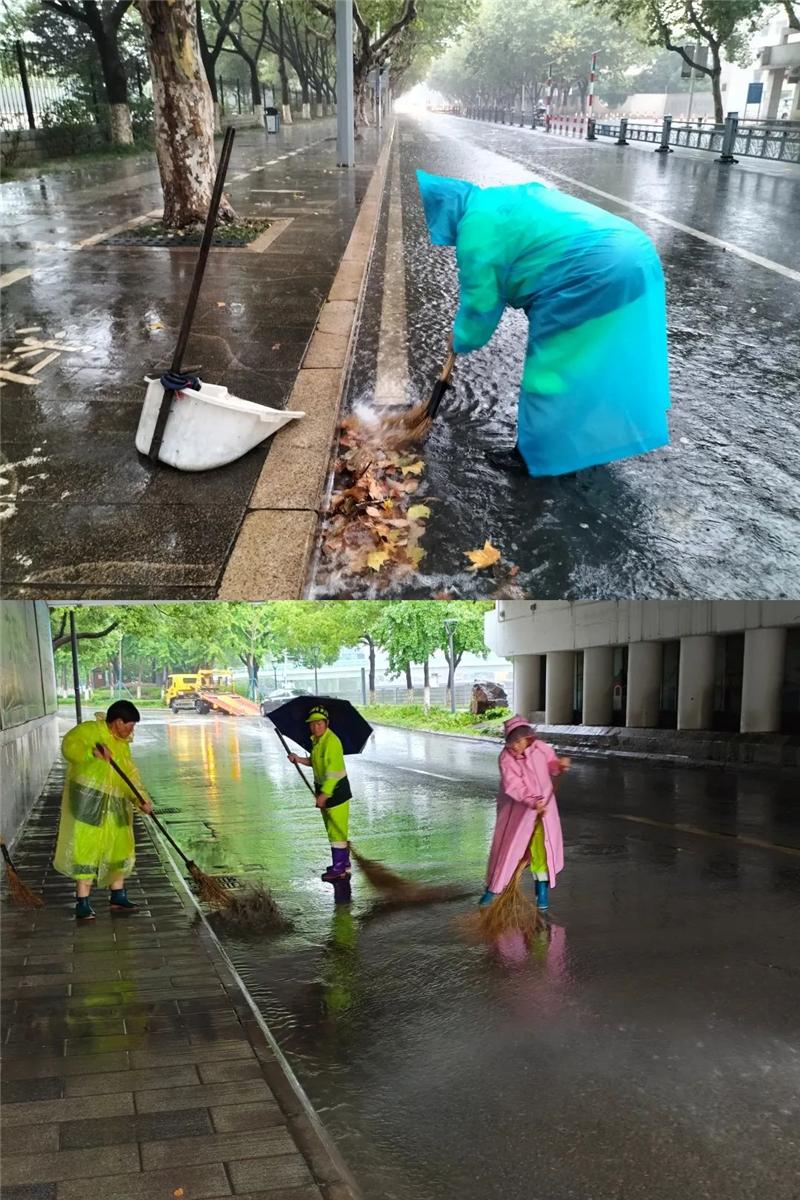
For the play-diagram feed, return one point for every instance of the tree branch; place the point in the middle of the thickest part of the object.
(62, 639)
(794, 19)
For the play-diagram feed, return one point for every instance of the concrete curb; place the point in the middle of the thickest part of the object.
(331, 1173)
(272, 554)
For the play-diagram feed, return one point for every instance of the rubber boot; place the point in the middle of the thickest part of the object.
(83, 909)
(508, 458)
(118, 899)
(340, 866)
(542, 894)
(487, 898)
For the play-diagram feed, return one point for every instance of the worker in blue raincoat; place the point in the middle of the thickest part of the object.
(595, 386)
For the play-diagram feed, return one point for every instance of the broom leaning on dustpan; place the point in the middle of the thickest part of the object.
(18, 891)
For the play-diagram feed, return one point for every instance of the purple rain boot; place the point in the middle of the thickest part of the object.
(340, 866)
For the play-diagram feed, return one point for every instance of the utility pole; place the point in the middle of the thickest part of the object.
(345, 106)
(76, 679)
(592, 78)
(450, 626)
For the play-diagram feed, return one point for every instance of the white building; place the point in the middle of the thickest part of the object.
(703, 664)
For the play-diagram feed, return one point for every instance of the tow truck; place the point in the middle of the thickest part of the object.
(205, 691)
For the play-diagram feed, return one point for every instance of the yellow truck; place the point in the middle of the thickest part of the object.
(205, 691)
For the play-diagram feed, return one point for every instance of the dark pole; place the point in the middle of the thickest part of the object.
(139, 79)
(239, 97)
(26, 87)
(221, 86)
(76, 679)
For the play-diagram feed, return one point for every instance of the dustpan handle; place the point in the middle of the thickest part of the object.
(194, 292)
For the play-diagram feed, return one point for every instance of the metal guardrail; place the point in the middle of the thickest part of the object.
(776, 141)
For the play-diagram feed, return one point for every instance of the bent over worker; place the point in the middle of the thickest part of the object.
(332, 789)
(95, 833)
(595, 386)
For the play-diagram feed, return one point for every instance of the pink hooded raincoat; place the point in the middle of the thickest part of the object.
(524, 780)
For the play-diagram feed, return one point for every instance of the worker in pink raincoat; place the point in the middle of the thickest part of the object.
(527, 814)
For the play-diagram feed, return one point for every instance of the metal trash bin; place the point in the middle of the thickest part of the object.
(273, 120)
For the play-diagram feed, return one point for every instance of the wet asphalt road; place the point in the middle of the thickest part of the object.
(647, 1048)
(715, 513)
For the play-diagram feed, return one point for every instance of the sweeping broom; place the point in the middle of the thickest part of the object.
(18, 891)
(406, 426)
(390, 884)
(512, 910)
(209, 890)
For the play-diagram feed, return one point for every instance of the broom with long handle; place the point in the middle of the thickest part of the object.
(511, 911)
(381, 878)
(210, 891)
(18, 891)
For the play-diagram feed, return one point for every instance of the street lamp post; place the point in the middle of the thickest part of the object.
(450, 626)
(76, 675)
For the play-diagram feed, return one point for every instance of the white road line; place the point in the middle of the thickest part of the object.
(768, 263)
(14, 276)
(391, 380)
(414, 771)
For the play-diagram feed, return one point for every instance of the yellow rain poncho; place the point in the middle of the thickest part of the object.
(95, 835)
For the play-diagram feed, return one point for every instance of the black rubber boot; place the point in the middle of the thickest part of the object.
(83, 909)
(118, 899)
(508, 458)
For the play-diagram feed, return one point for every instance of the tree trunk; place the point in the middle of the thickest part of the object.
(371, 646)
(286, 104)
(116, 84)
(255, 88)
(426, 683)
(716, 86)
(183, 113)
(409, 684)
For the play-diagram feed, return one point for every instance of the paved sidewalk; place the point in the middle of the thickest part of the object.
(134, 1067)
(85, 515)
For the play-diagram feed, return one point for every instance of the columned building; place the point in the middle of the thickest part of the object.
(671, 664)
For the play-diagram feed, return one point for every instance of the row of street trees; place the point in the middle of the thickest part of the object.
(154, 639)
(545, 46)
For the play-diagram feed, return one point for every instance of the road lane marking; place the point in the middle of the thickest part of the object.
(738, 838)
(391, 380)
(759, 259)
(414, 770)
(14, 276)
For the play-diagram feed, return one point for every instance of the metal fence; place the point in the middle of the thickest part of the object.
(777, 141)
(25, 94)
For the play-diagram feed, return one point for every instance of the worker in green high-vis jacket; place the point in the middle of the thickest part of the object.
(332, 789)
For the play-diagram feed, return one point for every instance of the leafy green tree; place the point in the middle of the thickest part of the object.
(410, 632)
(467, 634)
(721, 26)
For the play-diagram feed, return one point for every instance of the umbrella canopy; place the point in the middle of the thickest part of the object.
(345, 721)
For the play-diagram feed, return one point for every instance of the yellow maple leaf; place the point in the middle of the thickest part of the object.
(377, 558)
(481, 559)
(418, 512)
(415, 468)
(415, 554)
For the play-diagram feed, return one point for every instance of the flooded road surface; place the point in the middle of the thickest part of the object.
(715, 513)
(648, 1047)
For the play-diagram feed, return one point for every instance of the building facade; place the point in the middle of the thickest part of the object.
(28, 709)
(672, 664)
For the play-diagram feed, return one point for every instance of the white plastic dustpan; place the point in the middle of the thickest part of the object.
(207, 428)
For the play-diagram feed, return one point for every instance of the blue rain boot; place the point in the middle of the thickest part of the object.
(487, 898)
(83, 909)
(340, 867)
(118, 899)
(542, 895)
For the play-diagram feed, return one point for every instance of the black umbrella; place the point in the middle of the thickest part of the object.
(345, 721)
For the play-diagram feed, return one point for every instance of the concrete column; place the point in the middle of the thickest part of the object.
(345, 106)
(644, 685)
(774, 89)
(559, 687)
(762, 680)
(598, 683)
(696, 683)
(527, 673)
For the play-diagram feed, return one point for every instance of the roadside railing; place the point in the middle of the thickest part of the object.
(776, 141)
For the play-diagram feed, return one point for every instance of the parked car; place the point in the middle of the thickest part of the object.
(276, 699)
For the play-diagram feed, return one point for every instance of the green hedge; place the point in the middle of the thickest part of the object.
(438, 720)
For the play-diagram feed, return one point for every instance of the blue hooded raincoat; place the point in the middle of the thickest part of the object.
(595, 386)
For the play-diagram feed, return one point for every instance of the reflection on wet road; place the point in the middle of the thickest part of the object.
(647, 1047)
(715, 513)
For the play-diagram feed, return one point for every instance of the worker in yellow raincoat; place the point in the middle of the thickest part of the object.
(332, 789)
(95, 835)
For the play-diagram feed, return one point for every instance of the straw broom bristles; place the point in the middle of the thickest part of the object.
(512, 910)
(210, 891)
(253, 910)
(18, 891)
(393, 886)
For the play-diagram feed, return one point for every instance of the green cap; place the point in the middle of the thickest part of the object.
(317, 714)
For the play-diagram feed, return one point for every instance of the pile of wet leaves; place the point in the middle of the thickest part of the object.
(375, 522)
(233, 234)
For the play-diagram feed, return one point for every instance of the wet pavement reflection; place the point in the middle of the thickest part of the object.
(646, 1046)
